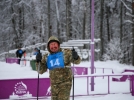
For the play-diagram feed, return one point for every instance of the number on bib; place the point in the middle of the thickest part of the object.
(55, 61)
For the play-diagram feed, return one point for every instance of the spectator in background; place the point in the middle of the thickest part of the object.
(19, 53)
(36, 51)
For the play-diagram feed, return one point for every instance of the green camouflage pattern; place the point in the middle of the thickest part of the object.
(60, 78)
(52, 38)
(61, 91)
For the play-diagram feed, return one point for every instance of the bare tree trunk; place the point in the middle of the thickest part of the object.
(68, 19)
(133, 33)
(13, 22)
(20, 39)
(23, 22)
(107, 18)
(101, 29)
(58, 19)
(49, 26)
(84, 21)
(41, 23)
(121, 23)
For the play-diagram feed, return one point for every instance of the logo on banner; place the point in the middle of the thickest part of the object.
(20, 88)
(48, 91)
(20, 91)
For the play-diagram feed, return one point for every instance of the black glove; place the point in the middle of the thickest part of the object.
(38, 57)
(74, 54)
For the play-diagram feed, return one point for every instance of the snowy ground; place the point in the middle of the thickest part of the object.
(15, 71)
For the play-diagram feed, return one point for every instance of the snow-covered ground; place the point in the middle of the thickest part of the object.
(15, 71)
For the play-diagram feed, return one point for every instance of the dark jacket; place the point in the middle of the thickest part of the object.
(19, 53)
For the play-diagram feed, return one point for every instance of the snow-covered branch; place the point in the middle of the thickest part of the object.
(127, 13)
(128, 21)
(126, 6)
(57, 11)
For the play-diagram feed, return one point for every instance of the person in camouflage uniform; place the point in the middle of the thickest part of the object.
(60, 78)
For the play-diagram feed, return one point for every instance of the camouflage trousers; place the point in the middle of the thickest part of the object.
(61, 91)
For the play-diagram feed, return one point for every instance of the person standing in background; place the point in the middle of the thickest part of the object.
(19, 54)
(36, 51)
(24, 53)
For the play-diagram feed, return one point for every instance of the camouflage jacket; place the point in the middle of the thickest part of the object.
(59, 75)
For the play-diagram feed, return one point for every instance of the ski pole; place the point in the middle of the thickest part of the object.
(38, 81)
(73, 80)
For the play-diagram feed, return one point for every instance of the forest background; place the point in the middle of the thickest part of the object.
(27, 22)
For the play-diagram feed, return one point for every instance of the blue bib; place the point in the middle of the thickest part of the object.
(20, 51)
(55, 61)
(35, 53)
